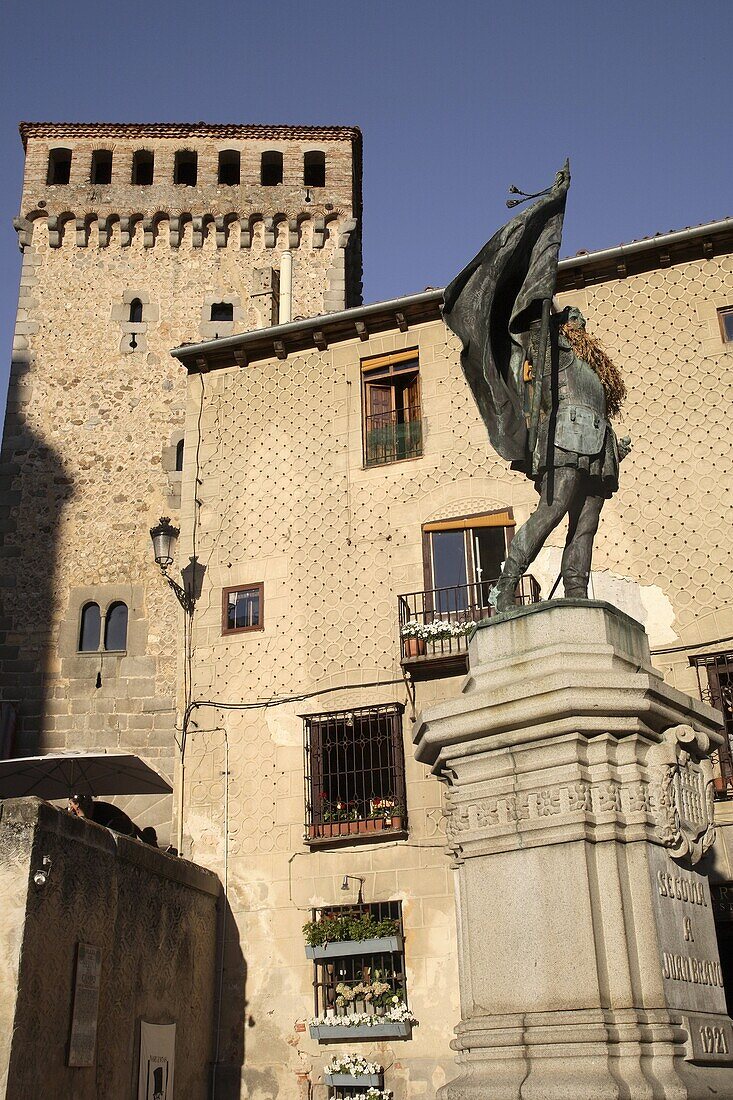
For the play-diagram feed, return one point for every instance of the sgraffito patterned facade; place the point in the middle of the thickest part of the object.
(286, 500)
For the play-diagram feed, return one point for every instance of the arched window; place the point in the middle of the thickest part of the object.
(136, 311)
(186, 168)
(143, 163)
(271, 169)
(89, 627)
(101, 166)
(59, 166)
(179, 455)
(222, 311)
(229, 167)
(314, 169)
(115, 627)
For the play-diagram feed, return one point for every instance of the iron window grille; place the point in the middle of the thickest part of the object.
(352, 971)
(355, 773)
(715, 684)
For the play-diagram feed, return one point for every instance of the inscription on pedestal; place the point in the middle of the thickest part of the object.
(711, 1039)
(689, 958)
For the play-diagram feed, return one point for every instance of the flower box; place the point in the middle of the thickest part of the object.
(342, 1079)
(328, 829)
(339, 948)
(377, 824)
(338, 1033)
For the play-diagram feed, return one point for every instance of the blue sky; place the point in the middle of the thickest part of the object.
(456, 101)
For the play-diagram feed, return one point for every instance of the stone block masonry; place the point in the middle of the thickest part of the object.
(96, 404)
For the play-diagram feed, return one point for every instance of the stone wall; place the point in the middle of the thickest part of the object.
(88, 460)
(286, 500)
(154, 918)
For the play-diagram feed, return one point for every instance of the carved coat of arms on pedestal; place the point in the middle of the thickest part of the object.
(682, 793)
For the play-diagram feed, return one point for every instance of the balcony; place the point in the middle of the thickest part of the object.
(393, 436)
(435, 625)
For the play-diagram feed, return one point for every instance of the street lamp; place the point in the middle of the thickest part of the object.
(164, 536)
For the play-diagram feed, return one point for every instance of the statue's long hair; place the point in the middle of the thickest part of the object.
(590, 350)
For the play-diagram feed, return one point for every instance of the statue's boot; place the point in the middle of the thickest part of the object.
(502, 594)
(575, 585)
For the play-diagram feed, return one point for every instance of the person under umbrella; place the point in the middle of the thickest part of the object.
(103, 813)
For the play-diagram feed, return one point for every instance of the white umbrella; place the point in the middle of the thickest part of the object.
(91, 773)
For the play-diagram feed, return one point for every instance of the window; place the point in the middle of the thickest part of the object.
(143, 164)
(101, 166)
(314, 169)
(115, 627)
(465, 558)
(715, 681)
(462, 560)
(353, 969)
(229, 167)
(179, 455)
(391, 402)
(355, 773)
(89, 628)
(222, 311)
(136, 311)
(59, 166)
(243, 609)
(186, 168)
(725, 319)
(271, 169)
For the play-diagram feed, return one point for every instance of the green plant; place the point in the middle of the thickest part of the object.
(339, 927)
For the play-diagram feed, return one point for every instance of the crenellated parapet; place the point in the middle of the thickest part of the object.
(297, 230)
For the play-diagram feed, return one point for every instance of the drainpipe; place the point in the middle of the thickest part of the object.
(286, 287)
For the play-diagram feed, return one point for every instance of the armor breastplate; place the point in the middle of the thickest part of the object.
(581, 420)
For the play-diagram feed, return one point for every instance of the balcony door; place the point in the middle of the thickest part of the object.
(466, 560)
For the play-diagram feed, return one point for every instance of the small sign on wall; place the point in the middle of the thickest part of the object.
(83, 1041)
(157, 1056)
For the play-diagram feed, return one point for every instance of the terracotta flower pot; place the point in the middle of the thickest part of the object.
(414, 647)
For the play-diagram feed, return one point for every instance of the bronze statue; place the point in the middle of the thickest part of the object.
(545, 388)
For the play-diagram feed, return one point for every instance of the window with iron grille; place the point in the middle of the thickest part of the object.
(715, 682)
(355, 773)
(360, 982)
(391, 403)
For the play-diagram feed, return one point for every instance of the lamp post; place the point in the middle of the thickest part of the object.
(164, 536)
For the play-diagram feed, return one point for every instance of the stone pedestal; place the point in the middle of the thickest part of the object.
(580, 809)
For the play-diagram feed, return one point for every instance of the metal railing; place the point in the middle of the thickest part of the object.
(715, 684)
(357, 970)
(391, 436)
(438, 621)
(355, 773)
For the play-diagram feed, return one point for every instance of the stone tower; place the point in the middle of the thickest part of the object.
(136, 239)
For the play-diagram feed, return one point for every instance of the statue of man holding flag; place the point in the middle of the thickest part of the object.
(546, 390)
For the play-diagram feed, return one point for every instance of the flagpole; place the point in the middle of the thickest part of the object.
(539, 371)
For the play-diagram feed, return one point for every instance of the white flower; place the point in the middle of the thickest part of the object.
(353, 1064)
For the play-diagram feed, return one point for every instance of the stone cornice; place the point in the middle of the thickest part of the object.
(574, 272)
(218, 131)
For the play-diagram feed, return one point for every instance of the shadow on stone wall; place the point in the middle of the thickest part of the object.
(232, 1016)
(34, 489)
(152, 917)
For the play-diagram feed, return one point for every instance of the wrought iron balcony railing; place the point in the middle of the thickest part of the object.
(436, 623)
(391, 436)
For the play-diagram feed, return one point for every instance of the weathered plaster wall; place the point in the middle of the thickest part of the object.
(155, 919)
(285, 500)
